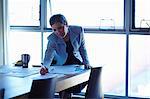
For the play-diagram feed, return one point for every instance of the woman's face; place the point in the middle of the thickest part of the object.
(60, 29)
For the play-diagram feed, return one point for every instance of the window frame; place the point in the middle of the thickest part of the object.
(132, 26)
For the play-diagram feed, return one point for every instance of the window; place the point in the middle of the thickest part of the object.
(24, 12)
(139, 63)
(22, 43)
(141, 14)
(101, 14)
(108, 50)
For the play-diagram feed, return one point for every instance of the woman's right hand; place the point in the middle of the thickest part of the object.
(43, 70)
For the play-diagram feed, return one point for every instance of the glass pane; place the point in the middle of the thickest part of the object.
(104, 14)
(24, 12)
(25, 42)
(139, 63)
(142, 15)
(109, 51)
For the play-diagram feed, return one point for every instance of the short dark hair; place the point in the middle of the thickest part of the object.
(58, 18)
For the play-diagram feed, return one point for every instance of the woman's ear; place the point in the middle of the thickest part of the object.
(66, 24)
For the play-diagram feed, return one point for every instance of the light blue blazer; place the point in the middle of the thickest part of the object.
(56, 47)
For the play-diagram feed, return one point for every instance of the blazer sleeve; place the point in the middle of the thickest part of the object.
(82, 48)
(49, 54)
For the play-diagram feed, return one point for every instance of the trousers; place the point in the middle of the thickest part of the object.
(66, 94)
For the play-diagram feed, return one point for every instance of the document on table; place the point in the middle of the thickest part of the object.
(4, 70)
(19, 71)
(24, 72)
(67, 69)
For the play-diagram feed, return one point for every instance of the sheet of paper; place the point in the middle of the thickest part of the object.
(21, 74)
(4, 70)
(19, 71)
(68, 69)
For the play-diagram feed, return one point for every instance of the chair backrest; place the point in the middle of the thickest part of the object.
(94, 88)
(2, 93)
(43, 88)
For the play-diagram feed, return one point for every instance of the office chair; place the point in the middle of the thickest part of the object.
(43, 88)
(2, 93)
(94, 88)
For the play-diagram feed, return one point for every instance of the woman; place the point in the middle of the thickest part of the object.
(66, 46)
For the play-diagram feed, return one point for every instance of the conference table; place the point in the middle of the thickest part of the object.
(17, 81)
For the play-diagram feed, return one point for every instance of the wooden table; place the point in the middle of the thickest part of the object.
(17, 86)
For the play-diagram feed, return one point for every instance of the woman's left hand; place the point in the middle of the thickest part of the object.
(88, 66)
